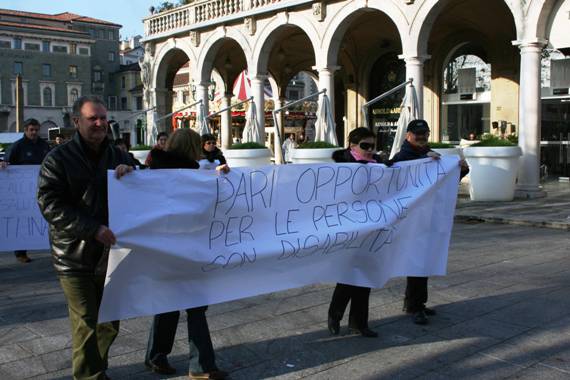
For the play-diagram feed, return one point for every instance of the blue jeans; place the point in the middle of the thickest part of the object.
(163, 332)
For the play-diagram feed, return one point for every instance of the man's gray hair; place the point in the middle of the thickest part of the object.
(76, 111)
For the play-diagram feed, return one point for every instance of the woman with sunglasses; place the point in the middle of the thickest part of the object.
(361, 149)
(212, 155)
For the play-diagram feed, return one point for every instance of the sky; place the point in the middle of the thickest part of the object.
(127, 13)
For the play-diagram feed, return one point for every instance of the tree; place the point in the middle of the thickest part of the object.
(167, 5)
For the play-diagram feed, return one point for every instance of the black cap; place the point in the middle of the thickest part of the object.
(418, 126)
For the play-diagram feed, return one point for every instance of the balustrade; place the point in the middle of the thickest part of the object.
(199, 12)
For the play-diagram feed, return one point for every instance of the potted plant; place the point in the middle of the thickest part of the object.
(313, 152)
(445, 149)
(494, 164)
(140, 152)
(249, 154)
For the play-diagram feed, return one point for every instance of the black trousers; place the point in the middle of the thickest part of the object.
(163, 332)
(20, 253)
(416, 294)
(358, 297)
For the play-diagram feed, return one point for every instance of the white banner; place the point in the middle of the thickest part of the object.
(22, 226)
(187, 238)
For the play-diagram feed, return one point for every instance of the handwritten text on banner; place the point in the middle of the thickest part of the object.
(22, 226)
(190, 238)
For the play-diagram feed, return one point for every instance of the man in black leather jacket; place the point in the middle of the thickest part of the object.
(72, 196)
(415, 147)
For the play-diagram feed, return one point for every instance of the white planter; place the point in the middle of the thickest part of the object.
(140, 155)
(250, 158)
(312, 156)
(449, 151)
(493, 172)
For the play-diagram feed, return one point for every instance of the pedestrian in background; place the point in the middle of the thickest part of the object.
(72, 196)
(416, 147)
(362, 142)
(160, 144)
(31, 149)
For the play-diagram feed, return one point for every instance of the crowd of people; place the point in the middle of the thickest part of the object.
(72, 196)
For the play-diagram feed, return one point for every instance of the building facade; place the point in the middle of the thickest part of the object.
(60, 58)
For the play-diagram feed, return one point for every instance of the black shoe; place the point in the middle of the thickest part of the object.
(160, 366)
(420, 318)
(334, 326)
(365, 332)
(429, 312)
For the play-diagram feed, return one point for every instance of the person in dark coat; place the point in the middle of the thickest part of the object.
(361, 149)
(160, 144)
(31, 149)
(416, 147)
(72, 197)
(212, 155)
(182, 150)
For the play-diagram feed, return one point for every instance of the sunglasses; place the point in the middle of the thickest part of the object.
(366, 146)
(210, 143)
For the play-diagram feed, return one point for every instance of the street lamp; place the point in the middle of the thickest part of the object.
(211, 92)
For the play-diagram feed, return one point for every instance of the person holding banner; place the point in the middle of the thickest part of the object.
(183, 150)
(416, 147)
(362, 142)
(72, 196)
(29, 150)
(213, 156)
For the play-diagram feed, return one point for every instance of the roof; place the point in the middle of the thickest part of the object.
(65, 16)
(181, 79)
(42, 27)
(130, 67)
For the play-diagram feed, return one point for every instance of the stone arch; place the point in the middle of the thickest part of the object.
(211, 46)
(267, 37)
(164, 53)
(340, 22)
(428, 11)
(540, 17)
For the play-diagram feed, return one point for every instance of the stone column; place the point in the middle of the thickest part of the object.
(326, 82)
(202, 94)
(528, 185)
(415, 71)
(258, 93)
(226, 127)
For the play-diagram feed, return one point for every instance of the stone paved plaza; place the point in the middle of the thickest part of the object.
(504, 312)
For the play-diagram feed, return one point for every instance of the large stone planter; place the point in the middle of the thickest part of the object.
(312, 156)
(493, 172)
(449, 151)
(250, 158)
(140, 155)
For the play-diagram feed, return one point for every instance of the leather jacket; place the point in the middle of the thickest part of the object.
(72, 196)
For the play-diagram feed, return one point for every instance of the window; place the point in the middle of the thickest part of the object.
(111, 56)
(73, 72)
(101, 34)
(123, 82)
(18, 68)
(47, 95)
(17, 43)
(31, 46)
(46, 70)
(92, 33)
(73, 95)
(45, 46)
(111, 35)
(139, 103)
(5, 44)
(123, 104)
(59, 49)
(73, 48)
(112, 103)
(83, 51)
(97, 76)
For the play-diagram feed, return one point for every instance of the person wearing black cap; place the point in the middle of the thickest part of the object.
(416, 147)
